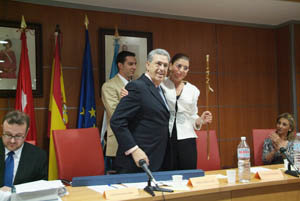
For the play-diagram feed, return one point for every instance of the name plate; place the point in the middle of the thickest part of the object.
(121, 194)
(208, 181)
(269, 175)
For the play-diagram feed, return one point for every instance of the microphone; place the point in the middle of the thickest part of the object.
(283, 152)
(144, 166)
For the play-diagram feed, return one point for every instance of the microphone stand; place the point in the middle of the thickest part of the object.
(295, 172)
(149, 189)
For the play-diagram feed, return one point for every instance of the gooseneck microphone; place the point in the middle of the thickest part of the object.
(283, 152)
(144, 166)
(149, 189)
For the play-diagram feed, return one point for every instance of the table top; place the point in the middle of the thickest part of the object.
(84, 193)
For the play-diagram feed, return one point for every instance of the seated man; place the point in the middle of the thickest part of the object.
(20, 162)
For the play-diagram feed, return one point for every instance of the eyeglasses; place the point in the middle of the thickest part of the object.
(16, 137)
(179, 66)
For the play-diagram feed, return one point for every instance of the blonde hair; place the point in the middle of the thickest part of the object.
(290, 118)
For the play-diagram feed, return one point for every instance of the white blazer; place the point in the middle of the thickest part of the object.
(187, 112)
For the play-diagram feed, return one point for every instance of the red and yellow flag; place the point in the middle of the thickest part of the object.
(58, 118)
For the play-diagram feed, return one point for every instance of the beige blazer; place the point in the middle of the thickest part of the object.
(110, 94)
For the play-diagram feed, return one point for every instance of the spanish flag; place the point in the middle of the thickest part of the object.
(58, 118)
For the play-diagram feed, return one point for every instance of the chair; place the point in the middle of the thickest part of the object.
(78, 153)
(214, 157)
(259, 136)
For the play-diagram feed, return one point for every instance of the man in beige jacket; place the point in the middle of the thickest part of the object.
(110, 94)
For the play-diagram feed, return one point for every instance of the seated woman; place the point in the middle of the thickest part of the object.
(282, 137)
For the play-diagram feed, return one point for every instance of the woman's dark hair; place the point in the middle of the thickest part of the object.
(179, 56)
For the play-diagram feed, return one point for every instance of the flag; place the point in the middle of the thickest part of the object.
(114, 67)
(87, 106)
(58, 118)
(24, 100)
(113, 71)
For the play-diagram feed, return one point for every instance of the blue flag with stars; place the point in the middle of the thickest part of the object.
(87, 106)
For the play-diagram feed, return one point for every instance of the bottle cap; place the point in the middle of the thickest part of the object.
(243, 138)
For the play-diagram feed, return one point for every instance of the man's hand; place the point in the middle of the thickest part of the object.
(123, 92)
(139, 154)
(5, 188)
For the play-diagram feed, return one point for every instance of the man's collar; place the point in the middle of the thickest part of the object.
(148, 76)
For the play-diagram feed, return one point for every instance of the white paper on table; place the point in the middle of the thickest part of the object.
(221, 176)
(139, 185)
(38, 190)
(256, 169)
(102, 188)
(38, 186)
(170, 185)
(4, 195)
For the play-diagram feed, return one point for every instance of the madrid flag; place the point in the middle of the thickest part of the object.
(24, 100)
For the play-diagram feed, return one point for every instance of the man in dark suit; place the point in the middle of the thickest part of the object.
(140, 121)
(29, 162)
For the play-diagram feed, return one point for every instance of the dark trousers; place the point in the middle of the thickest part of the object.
(181, 154)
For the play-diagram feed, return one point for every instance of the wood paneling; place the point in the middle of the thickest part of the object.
(247, 85)
(297, 66)
(284, 70)
(242, 65)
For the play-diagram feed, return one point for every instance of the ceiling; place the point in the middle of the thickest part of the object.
(260, 12)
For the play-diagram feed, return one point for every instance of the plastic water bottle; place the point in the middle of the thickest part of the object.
(243, 154)
(297, 151)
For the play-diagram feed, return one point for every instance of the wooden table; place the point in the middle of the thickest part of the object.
(287, 189)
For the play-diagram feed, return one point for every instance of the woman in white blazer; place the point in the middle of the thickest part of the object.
(182, 98)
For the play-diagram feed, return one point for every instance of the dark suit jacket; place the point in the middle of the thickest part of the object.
(32, 165)
(142, 119)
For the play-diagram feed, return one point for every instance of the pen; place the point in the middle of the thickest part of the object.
(110, 185)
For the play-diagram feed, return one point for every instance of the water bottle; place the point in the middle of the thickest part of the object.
(296, 148)
(243, 154)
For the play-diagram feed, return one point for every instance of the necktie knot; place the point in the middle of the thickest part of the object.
(11, 153)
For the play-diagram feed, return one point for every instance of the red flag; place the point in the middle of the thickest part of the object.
(24, 100)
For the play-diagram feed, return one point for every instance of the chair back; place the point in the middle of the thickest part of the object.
(78, 153)
(259, 136)
(33, 142)
(214, 156)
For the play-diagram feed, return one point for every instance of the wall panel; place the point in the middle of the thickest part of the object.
(242, 65)
(284, 69)
(247, 85)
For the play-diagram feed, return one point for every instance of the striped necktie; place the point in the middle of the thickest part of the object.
(162, 96)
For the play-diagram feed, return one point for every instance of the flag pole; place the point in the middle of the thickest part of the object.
(23, 23)
(86, 22)
(208, 89)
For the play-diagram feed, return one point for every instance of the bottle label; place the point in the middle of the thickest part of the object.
(296, 147)
(243, 153)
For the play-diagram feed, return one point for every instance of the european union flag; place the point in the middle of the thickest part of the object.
(87, 106)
